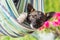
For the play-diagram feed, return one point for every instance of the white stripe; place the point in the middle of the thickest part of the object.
(39, 5)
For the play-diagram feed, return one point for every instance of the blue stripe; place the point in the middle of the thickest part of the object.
(42, 5)
(2, 31)
(37, 4)
(11, 12)
(7, 32)
(8, 19)
(17, 34)
(25, 10)
(12, 23)
(32, 2)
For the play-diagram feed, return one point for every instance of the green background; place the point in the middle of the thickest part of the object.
(52, 5)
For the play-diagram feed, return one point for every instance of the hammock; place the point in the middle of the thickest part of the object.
(8, 15)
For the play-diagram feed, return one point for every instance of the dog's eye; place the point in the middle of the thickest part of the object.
(35, 15)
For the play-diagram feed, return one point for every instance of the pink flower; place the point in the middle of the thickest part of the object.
(59, 21)
(46, 24)
(55, 23)
(57, 14)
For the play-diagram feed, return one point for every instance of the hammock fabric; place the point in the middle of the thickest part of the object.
(8, 15)
(37, 4)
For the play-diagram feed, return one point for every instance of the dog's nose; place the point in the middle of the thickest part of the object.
(38, 24)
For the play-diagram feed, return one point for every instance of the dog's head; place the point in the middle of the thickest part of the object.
(36, 18)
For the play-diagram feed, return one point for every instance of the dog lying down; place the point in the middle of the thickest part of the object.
(35, 19)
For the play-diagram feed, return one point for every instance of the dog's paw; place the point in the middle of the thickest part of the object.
(22, 17)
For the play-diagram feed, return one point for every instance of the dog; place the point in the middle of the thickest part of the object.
(37, 18)
(34, 18)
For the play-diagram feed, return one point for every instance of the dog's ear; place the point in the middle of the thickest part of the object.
(30, 8)
(49, 15)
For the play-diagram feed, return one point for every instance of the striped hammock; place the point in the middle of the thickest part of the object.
(8, 15)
